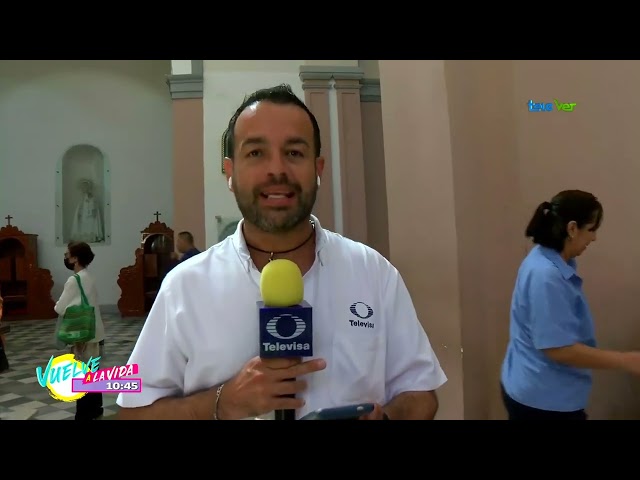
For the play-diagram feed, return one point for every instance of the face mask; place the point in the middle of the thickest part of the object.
(68, 264)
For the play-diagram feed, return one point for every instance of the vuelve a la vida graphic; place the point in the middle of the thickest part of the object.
(69, 379)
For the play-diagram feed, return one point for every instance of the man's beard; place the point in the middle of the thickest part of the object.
(274, 220)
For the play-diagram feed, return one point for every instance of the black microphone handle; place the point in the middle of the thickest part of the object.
(287, 414)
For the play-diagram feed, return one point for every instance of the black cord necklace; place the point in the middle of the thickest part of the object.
(271, 254)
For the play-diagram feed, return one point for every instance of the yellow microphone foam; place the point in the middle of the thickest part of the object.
(281, 284)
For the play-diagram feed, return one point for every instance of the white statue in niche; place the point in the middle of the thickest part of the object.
(87, 221)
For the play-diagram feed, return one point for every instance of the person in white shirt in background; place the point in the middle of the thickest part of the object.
(198, 350)
(77, 258)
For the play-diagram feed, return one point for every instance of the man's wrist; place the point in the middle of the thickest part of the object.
(225, 404)
(216, 405)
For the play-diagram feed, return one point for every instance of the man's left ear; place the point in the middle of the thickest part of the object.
(228, 170)
(319, 166)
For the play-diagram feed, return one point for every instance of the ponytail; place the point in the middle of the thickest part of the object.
(541, 226)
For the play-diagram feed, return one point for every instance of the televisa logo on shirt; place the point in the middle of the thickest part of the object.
(69, 379)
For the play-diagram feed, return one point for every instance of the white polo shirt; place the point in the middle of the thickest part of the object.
(203, 327)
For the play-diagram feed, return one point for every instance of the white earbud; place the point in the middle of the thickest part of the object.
(229, 183)
(318, 180)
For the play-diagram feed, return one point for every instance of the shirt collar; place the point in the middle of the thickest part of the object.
(567, 269)
(240, 244)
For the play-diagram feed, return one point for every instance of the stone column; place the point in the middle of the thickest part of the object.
(423, 239)
(316, 95)
(186, 90)
(455, 222)
(374, 166)
(333, 95)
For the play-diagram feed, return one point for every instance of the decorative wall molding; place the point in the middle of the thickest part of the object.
(370, 90)
(188, 85)
(316, 76)
(197, 67)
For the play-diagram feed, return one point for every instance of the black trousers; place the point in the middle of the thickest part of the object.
(89, 407)
(518, 411)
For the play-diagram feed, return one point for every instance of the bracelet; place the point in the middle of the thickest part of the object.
(215, 411)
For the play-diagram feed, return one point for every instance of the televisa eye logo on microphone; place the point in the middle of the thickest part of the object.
(287, 329)
(272, 326)
(285, 318)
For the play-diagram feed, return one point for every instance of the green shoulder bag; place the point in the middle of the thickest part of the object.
(79, 321)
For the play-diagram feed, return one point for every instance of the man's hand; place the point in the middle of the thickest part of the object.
(259, 387)
(407, 406)
(377, 414)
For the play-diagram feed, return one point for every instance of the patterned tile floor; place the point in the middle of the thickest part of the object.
(30, 344)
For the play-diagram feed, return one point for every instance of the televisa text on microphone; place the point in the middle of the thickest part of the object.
(285, 317)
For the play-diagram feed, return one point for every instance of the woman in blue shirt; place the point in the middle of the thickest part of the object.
(546, 373)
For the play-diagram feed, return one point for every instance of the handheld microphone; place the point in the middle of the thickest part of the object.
(285, 318)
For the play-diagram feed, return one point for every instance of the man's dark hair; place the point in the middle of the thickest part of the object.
(82, 251)
(187, 236)
(280, 95)
(548, 226)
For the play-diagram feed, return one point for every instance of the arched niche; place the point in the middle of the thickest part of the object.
(83, 196)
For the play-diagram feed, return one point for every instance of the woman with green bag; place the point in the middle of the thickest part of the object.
(80, 324)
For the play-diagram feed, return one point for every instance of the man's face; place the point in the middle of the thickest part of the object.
(181, 245)
(274, 168)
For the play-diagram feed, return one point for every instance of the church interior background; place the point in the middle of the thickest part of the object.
(437, 164)
(122, 155)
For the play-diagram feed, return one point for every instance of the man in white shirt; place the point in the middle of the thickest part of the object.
(198, 351)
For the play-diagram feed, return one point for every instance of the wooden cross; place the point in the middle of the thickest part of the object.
(8, 218)
(157, 214)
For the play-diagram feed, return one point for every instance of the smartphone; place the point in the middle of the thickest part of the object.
(348, 412)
